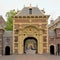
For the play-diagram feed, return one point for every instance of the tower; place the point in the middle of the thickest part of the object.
(30, 31)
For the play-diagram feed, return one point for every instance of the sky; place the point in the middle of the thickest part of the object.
(52, 7)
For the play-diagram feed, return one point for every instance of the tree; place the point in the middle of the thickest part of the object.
(9, 23)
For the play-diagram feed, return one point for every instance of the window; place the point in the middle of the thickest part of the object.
(16, 44)
(44, 44)
(44, 38)
(16, 31)
(16, 26)
(45, 32)
(30, 11)
(16, 39)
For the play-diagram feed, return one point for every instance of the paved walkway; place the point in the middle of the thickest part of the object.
(30, 51)
(30, 57)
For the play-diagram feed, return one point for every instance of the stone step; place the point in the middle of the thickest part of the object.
(30, 51)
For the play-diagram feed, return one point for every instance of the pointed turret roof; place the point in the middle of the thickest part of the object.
(2, 22)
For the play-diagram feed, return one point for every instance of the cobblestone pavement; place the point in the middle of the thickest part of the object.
(30, 57)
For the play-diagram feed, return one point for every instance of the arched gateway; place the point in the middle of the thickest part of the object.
(30, 33)
(7, 50)
(30, 45)
(52, 49)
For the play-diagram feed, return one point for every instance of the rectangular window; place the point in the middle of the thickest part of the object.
(44, 38)
(16, 31)
(16, 39)
(16, 26)
(16, 44)
(30, 11)
(44, 44)
(45, 32)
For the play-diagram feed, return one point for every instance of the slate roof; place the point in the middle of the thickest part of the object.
(8, 34)
(1, 27)
(54, 22)
(25, 11)
(2, 21)
(52, 32)
(58, 26)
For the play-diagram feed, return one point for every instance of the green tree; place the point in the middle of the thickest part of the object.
(9, 23)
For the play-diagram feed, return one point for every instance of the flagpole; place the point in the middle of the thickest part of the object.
(27, 2)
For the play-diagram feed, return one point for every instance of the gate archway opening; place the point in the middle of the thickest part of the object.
(7, 50)
(52, 49)
(30, 45)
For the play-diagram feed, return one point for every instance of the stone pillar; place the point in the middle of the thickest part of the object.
(40, 43)
(20, 46)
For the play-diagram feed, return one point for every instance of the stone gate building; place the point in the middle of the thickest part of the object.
(30, 31)
(5, 39)
(54, 36)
